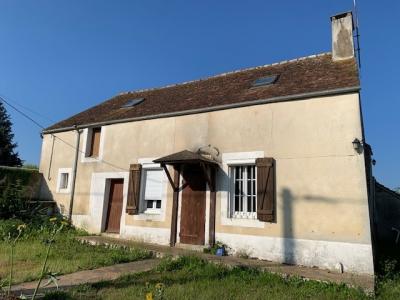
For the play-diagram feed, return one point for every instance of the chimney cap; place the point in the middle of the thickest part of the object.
(341, 15)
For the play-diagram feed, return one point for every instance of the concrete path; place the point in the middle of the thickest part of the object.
(366, 282)
(89, 276)
(113, 272)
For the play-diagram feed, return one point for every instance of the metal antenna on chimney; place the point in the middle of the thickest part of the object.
(357, 36)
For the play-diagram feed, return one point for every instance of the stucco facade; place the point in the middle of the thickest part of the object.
(322, 203)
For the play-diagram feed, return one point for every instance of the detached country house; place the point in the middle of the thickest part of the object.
(267, 160)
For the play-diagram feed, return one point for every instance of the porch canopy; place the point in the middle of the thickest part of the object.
(179, 161)
(186, 157)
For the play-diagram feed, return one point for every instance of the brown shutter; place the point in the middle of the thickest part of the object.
(265, 189)
(95, 143)
(132, 205)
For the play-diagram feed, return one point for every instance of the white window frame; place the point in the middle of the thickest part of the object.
(245, 214)
(160, 217)
(62, 171)
(87, 141)
(232, 159)
(143, 204)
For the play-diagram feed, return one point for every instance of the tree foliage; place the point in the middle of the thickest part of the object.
(8, 155)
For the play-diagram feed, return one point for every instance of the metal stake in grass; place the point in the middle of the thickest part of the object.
(13, 243)
(56, 229)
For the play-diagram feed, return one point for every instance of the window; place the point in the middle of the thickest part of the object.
(132, 102)
(243, 191)
(94, 146)
(153, 190)
(64, 180)
(265, 81)
(93, 143)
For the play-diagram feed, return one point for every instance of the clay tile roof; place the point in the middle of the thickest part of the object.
(311, 74)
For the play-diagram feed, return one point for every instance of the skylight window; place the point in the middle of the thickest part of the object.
(132, 102)
(267, 80)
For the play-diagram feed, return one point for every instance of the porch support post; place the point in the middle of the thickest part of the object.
(213, 200)
(174, 218)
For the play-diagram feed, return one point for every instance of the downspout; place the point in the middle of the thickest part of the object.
(71, 201)
(51, 157)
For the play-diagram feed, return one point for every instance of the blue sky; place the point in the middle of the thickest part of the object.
(60, 57)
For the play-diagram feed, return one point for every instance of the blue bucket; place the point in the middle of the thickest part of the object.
(220, 251)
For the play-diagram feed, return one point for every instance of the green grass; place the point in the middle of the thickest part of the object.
(193, 278)
(67, 254)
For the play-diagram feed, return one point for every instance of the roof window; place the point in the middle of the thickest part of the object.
(132, 102)
(264, 81)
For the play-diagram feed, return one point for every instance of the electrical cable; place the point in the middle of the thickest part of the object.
(53, 135)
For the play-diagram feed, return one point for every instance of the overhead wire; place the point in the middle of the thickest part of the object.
(29, 109)
(52, 134)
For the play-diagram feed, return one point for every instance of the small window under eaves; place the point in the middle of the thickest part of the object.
(132, 102)
(265, 81)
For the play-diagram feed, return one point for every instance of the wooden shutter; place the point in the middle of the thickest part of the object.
(95, 143)
(265, 189)
(132, 205)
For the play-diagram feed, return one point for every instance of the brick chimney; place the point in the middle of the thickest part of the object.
(342, 36)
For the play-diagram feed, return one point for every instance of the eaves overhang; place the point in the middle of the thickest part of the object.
(294, 97)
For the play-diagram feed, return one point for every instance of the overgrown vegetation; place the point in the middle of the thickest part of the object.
(67, 254)
(47, 245)
(12, 201)
(16, 192)
(194, 278)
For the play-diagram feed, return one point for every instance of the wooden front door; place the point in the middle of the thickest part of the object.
(193, 208)
(114, 211)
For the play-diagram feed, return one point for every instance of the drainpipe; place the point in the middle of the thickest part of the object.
(71, 201)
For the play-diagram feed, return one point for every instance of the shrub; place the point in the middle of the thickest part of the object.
(173, 264)
(9, 228)
(12, 201)
(37, 227)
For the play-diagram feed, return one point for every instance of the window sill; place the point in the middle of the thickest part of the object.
(245, 216)
(90, 159)
(152, 212)
(242, 222)
(147, 215)
(63, 191)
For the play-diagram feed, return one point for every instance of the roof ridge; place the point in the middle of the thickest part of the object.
(225, 74)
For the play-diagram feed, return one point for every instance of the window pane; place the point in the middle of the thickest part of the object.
(254, 203)
(249, 204)
(237, 203)
(249, 173)
(64, 181)
(237, 188)
(239, 173)
(149, 204)
(158, 204)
